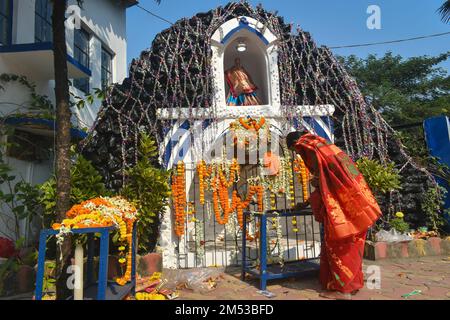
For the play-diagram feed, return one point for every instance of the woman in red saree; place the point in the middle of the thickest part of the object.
(346, 207)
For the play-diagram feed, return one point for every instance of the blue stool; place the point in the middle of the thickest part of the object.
(267, 271)
(103, 289)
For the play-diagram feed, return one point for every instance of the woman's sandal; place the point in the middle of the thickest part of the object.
(336, 295)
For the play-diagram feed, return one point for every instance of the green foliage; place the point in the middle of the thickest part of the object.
(432, 205)
(381, 179)
(444, 11)
(7, 269)
(439, 169)
(405, 91)
(38, 103)
(17, 197)
(399, 224)
(148, 189)
(413, 139)
(49, 280)
(10, 267)
(40, 106)
(86, 183)
(89, 98)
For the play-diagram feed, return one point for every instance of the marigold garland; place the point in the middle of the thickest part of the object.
(179, 198)
(220, 200)
(202, 174)
(220, 185)
(104, 212)
(252, 124)
(238, 205)
(301, 169)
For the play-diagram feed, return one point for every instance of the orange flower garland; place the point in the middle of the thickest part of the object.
(104, 212)
(220, 200)
(234, 172)
(239, 207)
(179, 198)
(129, 238)
(252, 124)
(221, 203)
(202, 174)
(300, 168)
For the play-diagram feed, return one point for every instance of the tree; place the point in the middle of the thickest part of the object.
(444, 11)
(63, 125)
(405, 91)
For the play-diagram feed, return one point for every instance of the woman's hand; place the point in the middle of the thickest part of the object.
(301, 205)
(315, 181)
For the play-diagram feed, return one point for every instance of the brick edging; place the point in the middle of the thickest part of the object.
(410, 249)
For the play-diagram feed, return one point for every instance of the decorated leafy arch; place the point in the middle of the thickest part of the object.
(176, 73)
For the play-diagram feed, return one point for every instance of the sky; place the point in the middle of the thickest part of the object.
(331, 23)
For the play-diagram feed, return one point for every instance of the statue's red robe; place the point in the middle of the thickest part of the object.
(345, 206)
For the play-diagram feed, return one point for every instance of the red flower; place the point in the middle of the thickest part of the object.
(7, 248)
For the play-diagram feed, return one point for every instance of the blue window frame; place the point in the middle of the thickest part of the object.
(106, 68)
(81, 46)
(43, 21)
(81, 54)
(6, 8)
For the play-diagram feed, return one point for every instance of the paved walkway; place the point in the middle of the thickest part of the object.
(430, 275)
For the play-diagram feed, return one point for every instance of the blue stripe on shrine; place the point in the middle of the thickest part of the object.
(245, 26)
(206, 123)
(317, 128)
(171, 144)
(317, 125)
(329, 122)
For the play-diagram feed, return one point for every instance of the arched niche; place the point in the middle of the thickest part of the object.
(253, 60)
(260, 59)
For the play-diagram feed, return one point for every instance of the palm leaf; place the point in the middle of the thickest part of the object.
(444, 11)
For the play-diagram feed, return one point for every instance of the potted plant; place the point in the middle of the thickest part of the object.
(17, 273)
(382, 180)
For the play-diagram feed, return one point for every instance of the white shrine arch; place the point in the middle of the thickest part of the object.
(191, 131)
(260, 59)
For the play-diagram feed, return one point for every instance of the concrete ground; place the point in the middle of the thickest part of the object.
(430, 275)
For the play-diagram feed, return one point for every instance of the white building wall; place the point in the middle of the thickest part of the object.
(106, 21)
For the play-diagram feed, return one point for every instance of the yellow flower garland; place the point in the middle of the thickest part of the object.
(105, 212)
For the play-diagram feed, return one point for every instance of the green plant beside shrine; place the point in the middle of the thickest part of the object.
(86, 183)
(148, 189)
(381, 179)
(398, 223)
(432, 204)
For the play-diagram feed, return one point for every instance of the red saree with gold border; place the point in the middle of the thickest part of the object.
(345, 206)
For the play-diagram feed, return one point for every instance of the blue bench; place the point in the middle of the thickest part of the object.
(267, 271)
(102, 289)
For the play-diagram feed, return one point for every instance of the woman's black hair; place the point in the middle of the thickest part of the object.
(292, 138)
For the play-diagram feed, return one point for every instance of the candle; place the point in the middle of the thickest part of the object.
(78, 288)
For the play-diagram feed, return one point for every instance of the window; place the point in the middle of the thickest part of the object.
(27, 146)
(82, 84)
(5, 22)
(106, 68)
(81, 47)
(81, 54)
(43, 21)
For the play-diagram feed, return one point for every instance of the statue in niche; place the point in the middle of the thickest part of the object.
(242, 88)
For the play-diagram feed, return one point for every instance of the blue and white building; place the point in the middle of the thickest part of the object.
(96, 57)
